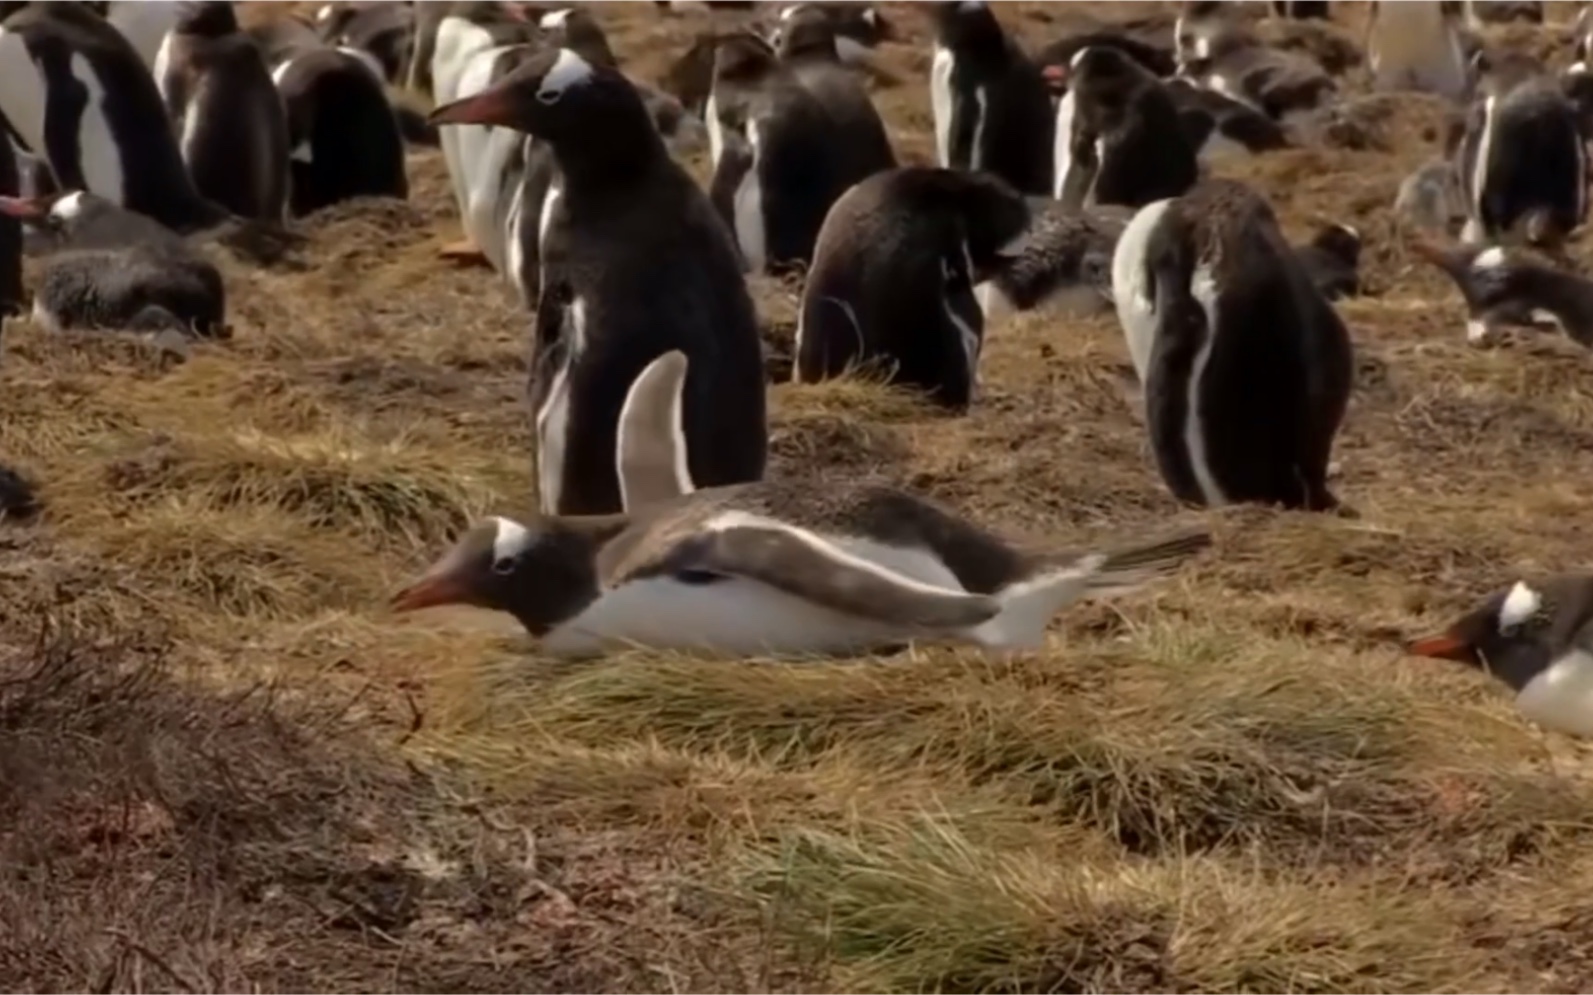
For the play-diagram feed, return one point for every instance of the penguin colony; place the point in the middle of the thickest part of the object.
(137, 136)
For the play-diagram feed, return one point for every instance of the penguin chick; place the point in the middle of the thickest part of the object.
(1063, 260)
(1430, 198)
(1504, 287)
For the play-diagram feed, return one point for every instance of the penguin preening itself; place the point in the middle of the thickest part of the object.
(1246, 368)
(634, 263)
(1417, 45)
(116, 270)
(231, 125)
(991, 105)
(1523, 160)
(76, 94)
(781, 158)
(1332, 258)
(1118, 136)
(10, 236)
(893, 279)
(1536, 638)
(344, 137)
(1503, 287)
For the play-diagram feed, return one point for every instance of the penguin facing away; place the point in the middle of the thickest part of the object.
(787, 569)
(634, 263)
(103, 127)
(858, 28)
(231, 125)
(383, 31)
(810, 47)
(10, 236)
(991, 105)
(1118, 135)
(1247, 370)
(893, 279)
(1535, 638)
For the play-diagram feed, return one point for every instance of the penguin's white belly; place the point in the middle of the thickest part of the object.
(22, 92)
(751, 234)
(1204, 290)
(1131, 288)
(1412, 48)
(1561, 696)
(1479, 167)
(553, 419)
(100, 158)
(716, 134)
(486, 185)
(1062, 148)
(736, 616)
(514, 226)
(459, 45)
(940, 100)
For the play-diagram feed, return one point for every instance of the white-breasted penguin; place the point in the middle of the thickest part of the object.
(1536, 638)
(858, 28)
(1118, 135)
(76, 94)
(1504, 287)
(231, 125)
(893, 279)
(144, 23)
(781, 157)
(789, 568)
(991, 105)
(1417, 45)
(1246, 368)
(634, 263)
(1220, 53)
(344, 137)
(1523, 160)
(10, 235)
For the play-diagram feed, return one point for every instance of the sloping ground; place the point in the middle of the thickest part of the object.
(223, 764)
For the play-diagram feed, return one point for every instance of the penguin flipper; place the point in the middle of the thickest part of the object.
(652, 438)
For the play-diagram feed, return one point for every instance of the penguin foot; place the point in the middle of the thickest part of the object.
(464, 253)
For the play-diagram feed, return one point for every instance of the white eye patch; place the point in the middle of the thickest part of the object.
(1519, 606)
(1490, 258)
(68, 207)
(511, 540)
(569, 70)
(555, 19)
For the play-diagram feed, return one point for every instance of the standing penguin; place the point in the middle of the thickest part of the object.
(1246, 368)
(810, 48)
(384, 31)
(76, 94)
(894, 274)
(780, 158)
(1118, 135)
(633, 264)
(1417, 45)
(1523, 160)
(10, 236)
(144, 23)
(230, 122)
(858, 28)
(991, 105)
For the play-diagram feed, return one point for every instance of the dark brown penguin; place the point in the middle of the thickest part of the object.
(991, 106)
(1504, 287)
(77, 95)
(1222, 54)
(781, 158)
(231, 125)
(810, 47)
(634, 263)
(1118, 135)
(1332, 258)
(10, 235)
(1535, 637)
(109, 268)
(893, 279)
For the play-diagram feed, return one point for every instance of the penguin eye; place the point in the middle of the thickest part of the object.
(504, 565)
(549, 97)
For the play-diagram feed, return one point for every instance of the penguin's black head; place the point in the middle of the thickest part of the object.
(555, 95)
(206, 18)
(1515, 631)
(1341, 242)
(575, 29)
(57, 214)
(742, 64)
(806, 32)
(969, 27)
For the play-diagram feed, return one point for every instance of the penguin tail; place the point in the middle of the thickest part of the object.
(1130, 567)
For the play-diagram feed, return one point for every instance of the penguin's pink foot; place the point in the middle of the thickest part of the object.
(464, 253)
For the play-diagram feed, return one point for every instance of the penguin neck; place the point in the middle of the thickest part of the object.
(1569, 298)
(614, 157)
(563, 581)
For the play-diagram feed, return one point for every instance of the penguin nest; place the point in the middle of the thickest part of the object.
(1230, 782)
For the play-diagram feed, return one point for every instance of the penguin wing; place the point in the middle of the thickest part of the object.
(805, 565)
(652, 439)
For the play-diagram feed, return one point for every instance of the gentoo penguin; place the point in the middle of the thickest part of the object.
(231, 125)
(1523, 160)
(1118, 135)
(634, 263)
(383, 31)
(810, 48)
(1417, 45)
(858, 28)
(1063, 262)
(576, 29)
(113, 269)
(1246, 368)
(1224, 55)
(10, 236)
(1534, 637)
(991, 106)
(1057, 56)
(344, 137)
(1504, 287)
(103, 128)
(1430, 198)
(1221, 127)
(1332, 258)
(893, 279)
(144, 23)
(780, 157)
(783, 569)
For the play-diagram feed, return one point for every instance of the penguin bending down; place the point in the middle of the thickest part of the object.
(1523, 160)
(991, 106)
(1333, 259)
(77, 95)
(893, 279)
(1502, 287)
(1246, 368)
(1417, 45)
(781, 158)
(230, 122)
(799, 568)
(634, 263)
(1118, 135)
(10, 236)
(1226, 57)
(116, 270)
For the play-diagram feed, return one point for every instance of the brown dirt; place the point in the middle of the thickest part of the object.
(224, 765)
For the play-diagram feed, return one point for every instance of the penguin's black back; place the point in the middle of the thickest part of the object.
(1535, 160)
(341, 114)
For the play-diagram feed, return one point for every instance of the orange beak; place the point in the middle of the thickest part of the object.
(22, 208)
(1056, 76)
(1444, 646)
(429, 592)
(492, 107)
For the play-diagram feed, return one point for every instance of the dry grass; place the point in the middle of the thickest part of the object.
(1231, 782)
